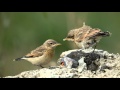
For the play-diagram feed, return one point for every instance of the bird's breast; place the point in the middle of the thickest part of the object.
(49, 53)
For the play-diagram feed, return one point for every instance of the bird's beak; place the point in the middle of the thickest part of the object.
(57, 44)
(68, 39)
(65, 39)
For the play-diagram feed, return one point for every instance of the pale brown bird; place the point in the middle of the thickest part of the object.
(86, 37)
(41, 55)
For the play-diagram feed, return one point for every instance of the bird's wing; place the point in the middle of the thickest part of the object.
(94, 32)
(81, 34)
(37, 52)
(87, 34)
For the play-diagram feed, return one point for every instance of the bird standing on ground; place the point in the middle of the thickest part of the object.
(41, 55)
(86, 37)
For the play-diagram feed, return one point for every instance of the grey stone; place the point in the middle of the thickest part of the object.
(106, 59)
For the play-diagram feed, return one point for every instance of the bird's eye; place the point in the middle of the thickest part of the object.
(51, 43)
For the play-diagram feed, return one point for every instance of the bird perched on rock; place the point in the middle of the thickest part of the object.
(41, 55)
(86, 36)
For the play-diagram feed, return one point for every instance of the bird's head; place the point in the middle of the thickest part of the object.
(51, 43)
(70, 36)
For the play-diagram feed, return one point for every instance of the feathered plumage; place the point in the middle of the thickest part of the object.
(42, 54)
(86, 36)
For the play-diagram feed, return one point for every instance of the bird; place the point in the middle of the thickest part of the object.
(42, 55)
(86, 37)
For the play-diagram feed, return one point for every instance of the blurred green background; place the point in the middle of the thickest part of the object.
(20, 32)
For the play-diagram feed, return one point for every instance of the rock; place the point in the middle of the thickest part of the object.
(79, 64)
(92, 58)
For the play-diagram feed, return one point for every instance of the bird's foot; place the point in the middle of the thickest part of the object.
(40, 66)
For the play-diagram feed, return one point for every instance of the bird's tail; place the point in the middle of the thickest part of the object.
(105, 34)
(18, 59)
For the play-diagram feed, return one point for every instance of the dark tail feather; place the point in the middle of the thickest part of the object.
(18, 59)
(104, 34)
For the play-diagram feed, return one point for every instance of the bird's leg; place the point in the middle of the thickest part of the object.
(41, 66)
(82, 44)
(38, 65)
(95, 47)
